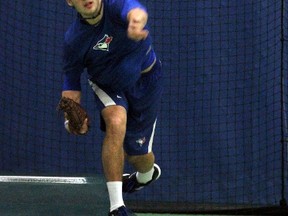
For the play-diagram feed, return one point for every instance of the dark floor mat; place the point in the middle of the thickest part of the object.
(43, 199)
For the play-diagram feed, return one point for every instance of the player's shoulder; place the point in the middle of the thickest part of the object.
(71, 31)
(113, 2)
(112, 5)
(74, 31)
(119, 4)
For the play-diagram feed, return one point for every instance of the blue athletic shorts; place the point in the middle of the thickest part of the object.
(142, 102)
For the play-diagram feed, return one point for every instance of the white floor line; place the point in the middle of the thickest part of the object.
(44, 179)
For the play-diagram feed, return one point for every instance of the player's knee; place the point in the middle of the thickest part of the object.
(115, 119)
(116, 125)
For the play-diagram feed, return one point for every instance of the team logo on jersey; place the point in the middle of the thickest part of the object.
(141, 141)
(104, 43)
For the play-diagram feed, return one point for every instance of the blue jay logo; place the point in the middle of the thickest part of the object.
(141, 141)
(104, 43)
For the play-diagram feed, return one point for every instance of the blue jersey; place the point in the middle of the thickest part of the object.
(112, 59)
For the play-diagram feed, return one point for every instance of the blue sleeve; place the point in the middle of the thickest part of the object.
(72, 69)
(124, 6)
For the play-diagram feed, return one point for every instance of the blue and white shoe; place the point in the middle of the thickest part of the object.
(130, 183)
(121, 211)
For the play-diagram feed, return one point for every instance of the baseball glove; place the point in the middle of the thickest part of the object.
(75, 115)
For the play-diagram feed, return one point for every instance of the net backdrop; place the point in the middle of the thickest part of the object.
(222, 132)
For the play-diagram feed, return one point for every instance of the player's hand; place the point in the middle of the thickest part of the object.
(84, 129)
(137, 19)
(76, 118)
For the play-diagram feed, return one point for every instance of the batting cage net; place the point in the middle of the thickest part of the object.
(221, 138)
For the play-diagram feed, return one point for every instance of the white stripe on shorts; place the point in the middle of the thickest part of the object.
(152, 137)
(105, 98)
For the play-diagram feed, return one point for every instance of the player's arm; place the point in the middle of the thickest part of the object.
(134, 14)
(137, 20)
(72, 94)
(72, 90)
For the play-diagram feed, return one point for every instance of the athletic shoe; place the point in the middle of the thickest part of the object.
(130, 183)
(121, 211)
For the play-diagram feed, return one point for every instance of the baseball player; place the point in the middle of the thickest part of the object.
(110, 40)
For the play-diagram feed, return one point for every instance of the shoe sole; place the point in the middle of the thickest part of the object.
(159, 171)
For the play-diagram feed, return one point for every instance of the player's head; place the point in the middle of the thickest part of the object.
(87, 8)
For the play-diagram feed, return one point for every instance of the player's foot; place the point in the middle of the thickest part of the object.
(130, 183)
(121, 211)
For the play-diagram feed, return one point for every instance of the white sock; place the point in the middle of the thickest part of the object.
(145, 177)
(115, 194)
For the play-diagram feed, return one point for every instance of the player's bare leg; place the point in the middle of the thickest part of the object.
(113, 154)
(112, 150)
(147, 172)
(142, 163)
